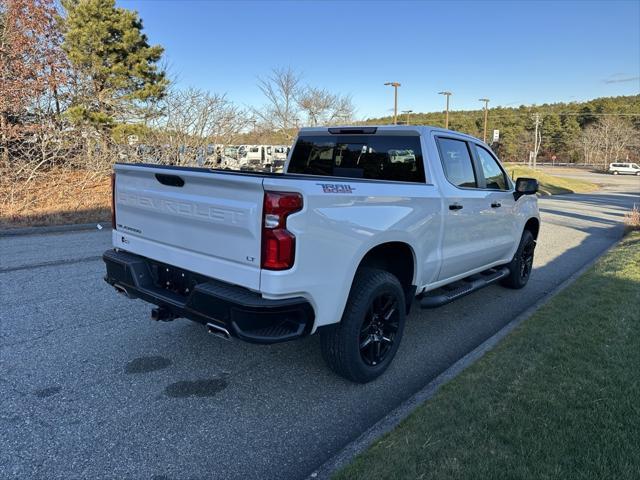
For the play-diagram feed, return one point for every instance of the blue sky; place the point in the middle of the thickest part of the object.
(511, 52)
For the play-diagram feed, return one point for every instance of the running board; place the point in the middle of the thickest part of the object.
(448, 293)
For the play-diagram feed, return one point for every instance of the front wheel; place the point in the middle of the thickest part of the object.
(615, 172)
(361, 347)
(522, 263)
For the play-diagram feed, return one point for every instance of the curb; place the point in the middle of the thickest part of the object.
(16, 232)
(397, 415)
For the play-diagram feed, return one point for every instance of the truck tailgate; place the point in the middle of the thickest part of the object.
(198, 220)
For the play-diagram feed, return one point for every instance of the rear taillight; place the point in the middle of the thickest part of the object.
(113, 200)
(278, 244)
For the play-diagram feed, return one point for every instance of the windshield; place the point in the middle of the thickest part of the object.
(391, 157)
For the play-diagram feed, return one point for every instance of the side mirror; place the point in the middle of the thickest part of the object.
(525, 186)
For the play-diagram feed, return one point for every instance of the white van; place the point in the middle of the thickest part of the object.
(624, 168)
(253, 157)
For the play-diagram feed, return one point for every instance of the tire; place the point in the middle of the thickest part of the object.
(522, 263)
(615, 172)
(361, 347)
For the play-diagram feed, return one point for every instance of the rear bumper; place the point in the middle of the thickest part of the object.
(243, 313)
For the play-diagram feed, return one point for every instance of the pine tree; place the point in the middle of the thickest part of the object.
(116, 68)
(551, 134)
(569, 135)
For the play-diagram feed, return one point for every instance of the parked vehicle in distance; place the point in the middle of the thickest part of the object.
(276, 166)
(279, 152)
(364, 220)
(256, 152)
(624, 168)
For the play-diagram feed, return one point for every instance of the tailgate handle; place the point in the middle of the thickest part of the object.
(170, 180)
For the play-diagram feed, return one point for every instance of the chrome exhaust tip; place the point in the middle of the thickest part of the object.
(120, 289)
(218, 331)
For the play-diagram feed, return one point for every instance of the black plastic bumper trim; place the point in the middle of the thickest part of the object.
(244, 313)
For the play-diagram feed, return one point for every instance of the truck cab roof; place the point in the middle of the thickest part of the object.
(422, 130)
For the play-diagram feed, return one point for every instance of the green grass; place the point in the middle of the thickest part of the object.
(558, 398)
(550, 184)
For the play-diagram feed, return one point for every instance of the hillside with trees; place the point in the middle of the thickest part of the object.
(592, 132)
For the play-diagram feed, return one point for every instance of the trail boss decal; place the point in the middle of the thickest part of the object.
(336, 188)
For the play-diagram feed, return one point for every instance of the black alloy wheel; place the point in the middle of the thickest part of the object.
(526, 259)
(362, 345)
(379, 329)
(521, 266)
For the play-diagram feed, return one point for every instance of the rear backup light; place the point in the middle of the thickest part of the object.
(113, 200)
(278, 244)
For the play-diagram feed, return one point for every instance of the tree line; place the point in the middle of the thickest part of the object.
(594, 132)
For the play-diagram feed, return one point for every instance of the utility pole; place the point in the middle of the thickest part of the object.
(536, 142)
(486, 113)
(446, 112)
(407, 112)
(395, 86)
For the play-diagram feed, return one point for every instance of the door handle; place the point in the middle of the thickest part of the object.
(496, 205)
(455, 206)
(170, 180)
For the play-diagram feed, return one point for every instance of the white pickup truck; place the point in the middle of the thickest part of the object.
(363, 220)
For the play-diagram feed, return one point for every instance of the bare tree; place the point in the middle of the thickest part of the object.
(281, 112)
(606, 141)
(192, 122)
(325, 108)
(589, 143)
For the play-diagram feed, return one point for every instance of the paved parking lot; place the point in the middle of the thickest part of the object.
(91, 388)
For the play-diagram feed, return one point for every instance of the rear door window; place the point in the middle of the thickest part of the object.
(494, 176)
(456, 161)
(380, 157)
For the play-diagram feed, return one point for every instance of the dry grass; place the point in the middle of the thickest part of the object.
(550, 184)
(54, 197)
(65, 196)
(632, 219)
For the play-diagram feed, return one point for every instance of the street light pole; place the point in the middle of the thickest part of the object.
(407, 112)
(395, 86)
(486, 112)
(446, 112)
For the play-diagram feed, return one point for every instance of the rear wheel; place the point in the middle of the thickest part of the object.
(615, 172)
(522, 263)
(361, 347)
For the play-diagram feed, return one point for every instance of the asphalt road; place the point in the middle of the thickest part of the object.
(91, 388)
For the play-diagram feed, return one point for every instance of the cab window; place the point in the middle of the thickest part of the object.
(380, 157)
(456, 161)
(494, 175)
